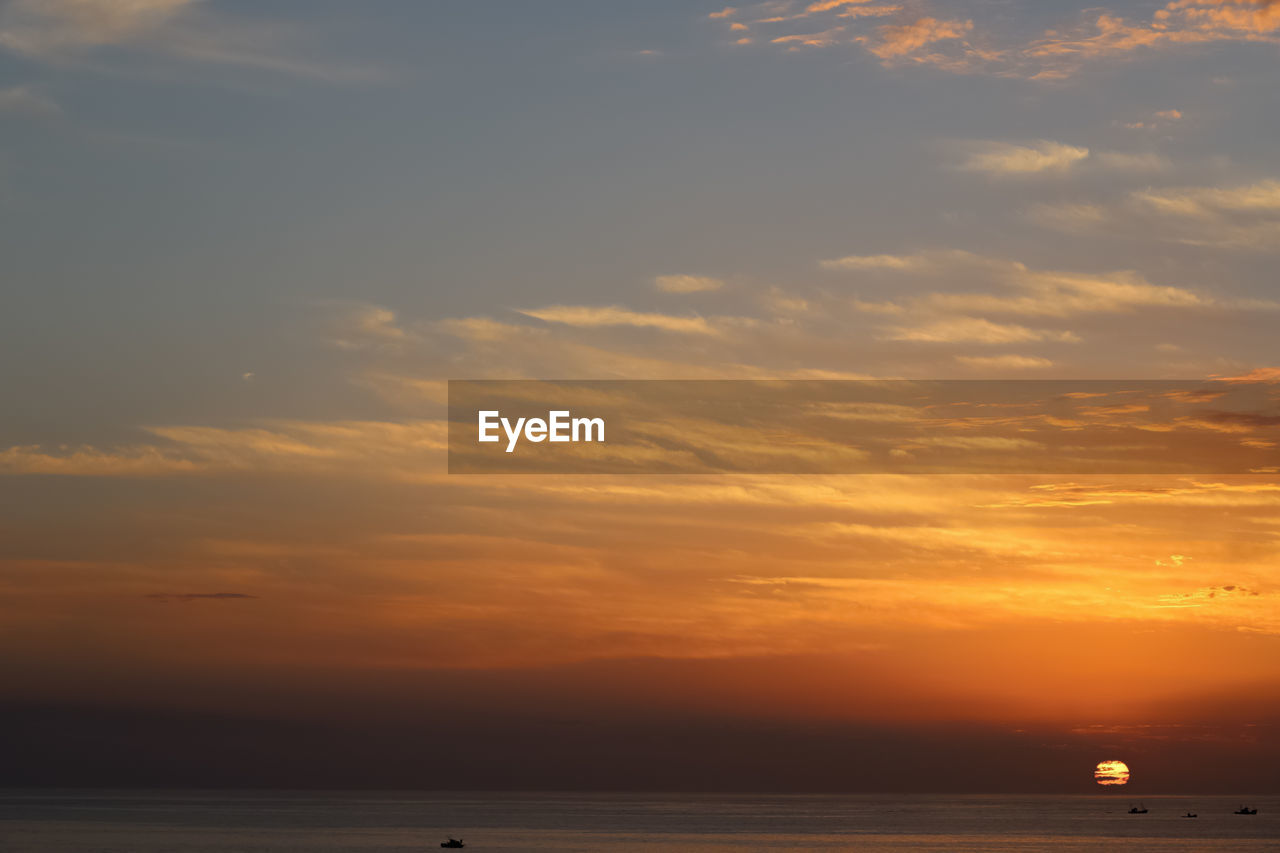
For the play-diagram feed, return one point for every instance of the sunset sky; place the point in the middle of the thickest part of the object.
(247, 243)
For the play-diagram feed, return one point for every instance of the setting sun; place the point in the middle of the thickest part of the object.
(1111, 773)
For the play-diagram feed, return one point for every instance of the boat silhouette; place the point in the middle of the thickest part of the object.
(1191, 814)
(1137, 809)
(1246, 810)
(453, 844)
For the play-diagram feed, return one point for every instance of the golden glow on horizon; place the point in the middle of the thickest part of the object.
(1111, 772)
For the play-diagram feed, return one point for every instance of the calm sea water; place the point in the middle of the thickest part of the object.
(103, 822)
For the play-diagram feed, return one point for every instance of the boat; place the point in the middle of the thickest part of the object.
(1137, 809)
(453, 844)
(1246, 810)
(1191, 814)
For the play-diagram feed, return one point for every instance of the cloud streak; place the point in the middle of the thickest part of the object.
(362, 449)
(907, 41)
(1034, 293)
(1001, 158)
(687, 283)
(66, 31)
(41, 28)
(1242, 216)
(597, 317)
(975, 330)
(24, 100)
(198, 596)
(968, 46)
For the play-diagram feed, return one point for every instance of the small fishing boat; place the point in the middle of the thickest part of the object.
(1137, 809)
(1246, 810)
(453, 844)
(1191, 814)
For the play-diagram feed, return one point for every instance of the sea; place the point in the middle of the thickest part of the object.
(287, 822)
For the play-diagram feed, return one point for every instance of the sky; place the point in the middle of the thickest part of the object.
(246, 243)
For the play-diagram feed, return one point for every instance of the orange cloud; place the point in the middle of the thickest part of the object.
(589, 316)
(40, 26)
(822, 39)
(902, 39)
(1000, 158)
(683, 283)
(828, 5)
(1179, 23)
(369, 449)
(1261, 374)
(1242, 216)
(1256, 16)
(1058, 53)
(976, 330)
(182, 29)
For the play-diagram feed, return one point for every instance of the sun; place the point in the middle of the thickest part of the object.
(1111, 773)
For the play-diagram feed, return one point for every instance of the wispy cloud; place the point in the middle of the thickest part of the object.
(966, 46)
(1155, 120)
(199, 596)
(975, 330)
(373, 449)
(355, 326)
(781, 12)
(826, 38)
(687, 283)
(1059, 294)
(1179, 23)
(908, 314)
(64, 31)
(1047, 158)
(871, 262)
(1209, 202)
(45, 27)
(1003, 158)
(613, 315)
(833, 23)
(1133, 163)
(24, 100)
(1243, 216)
(1008, 361)
(1031, 292)
(1069, 216)
(897, 41)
